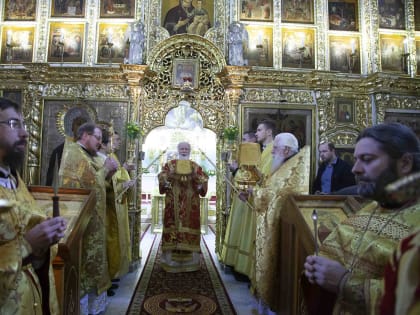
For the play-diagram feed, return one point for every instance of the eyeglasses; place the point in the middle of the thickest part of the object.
(14, 124)
(99, 138)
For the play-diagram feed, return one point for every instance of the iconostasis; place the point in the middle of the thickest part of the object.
(339, 36)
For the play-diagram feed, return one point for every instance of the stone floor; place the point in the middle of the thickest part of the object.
(243, 301)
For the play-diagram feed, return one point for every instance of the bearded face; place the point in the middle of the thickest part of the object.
(374, 188)
(278, 160)
(14, 152)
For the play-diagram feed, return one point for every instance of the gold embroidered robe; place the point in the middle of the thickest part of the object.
(291, 178)
(79, 170)
(402, 279)
(181, 219)
(364, 288)
(266, 160)
(118, 230)
(238, 248)
(20, 287)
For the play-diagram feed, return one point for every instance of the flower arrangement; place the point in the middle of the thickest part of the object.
(133, 130)
(230, 132)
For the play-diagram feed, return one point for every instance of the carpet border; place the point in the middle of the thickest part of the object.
(224, 300)
(146, 272)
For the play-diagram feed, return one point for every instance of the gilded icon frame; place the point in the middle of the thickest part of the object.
(112, 42)
(392, 14)
(122, 9)
(259, 49)
(345, 110)
(66, 42)
(185, 73)
(255, 10)
(343, 15)
(67, 9)
(393, 49)
(17, 44)
(298, 48)
(410, 118)
(345, 53)
(297, 12)
(167, 5)
(14, 11)
(298, 120)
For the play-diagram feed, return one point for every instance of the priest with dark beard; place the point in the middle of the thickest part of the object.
(27, 236)
(353, 257)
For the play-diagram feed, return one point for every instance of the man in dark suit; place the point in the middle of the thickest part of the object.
(334, 173)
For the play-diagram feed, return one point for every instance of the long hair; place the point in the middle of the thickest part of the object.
(5, 103)
(395, 139)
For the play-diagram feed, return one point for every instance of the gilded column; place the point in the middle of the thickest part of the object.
(233, 79)
(33, 110)
(134, 75)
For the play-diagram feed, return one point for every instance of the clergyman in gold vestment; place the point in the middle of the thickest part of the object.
(183, 181)
(353, 257)
(26, 236)
(118, 230)
(81, 168)
(241, 253)
(238, 247)
(289, 175)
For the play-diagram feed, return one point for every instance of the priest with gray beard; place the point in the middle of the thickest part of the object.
(289, 176)
(183, 181)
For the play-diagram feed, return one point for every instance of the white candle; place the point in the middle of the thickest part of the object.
(353, 46)
(302, 40)
(9, 37)
(405, 46)
(109, 38)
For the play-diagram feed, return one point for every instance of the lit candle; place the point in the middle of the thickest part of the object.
(353, 46)
(405, 46)
(109, 38)
(302, 40)
(315, 220)
(9, 37)
(62, 37)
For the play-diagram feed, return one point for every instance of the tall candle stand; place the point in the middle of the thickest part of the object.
(110, 45)
(9, 53)
(351, 61)
(405, 59)
(301, 51)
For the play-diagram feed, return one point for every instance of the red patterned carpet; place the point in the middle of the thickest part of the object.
(161, 293)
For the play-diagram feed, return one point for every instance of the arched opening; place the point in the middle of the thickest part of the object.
(182, 123)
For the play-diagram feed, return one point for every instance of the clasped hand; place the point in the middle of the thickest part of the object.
(45, 234)
(325, 272)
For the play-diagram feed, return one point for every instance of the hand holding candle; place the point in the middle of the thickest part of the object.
(315, 219)
(55, 198)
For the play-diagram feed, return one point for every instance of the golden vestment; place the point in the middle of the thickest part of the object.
(181, 222)
(402, 279)
(20, 287)
(266, 160)
(289, 179)
(238, 248)
(80, 170)
(118, 231)
(364, 243)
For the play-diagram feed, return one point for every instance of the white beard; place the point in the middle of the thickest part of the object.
(276, 163)
(183, 157)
